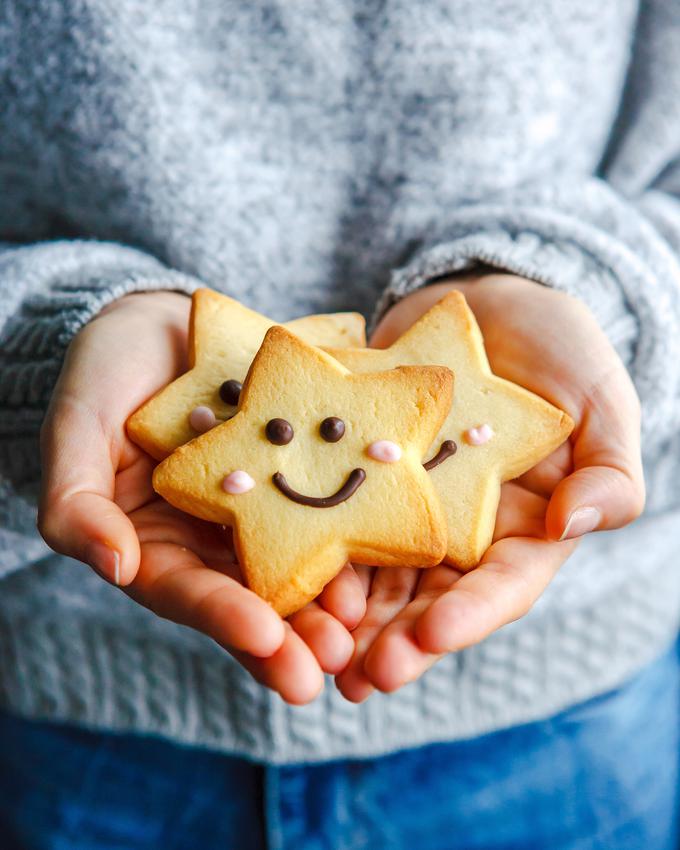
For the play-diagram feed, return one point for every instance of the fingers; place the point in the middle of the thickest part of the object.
(543, 478)
(77, 516)
(133, 488)
(345, 597)
(450, 610)
(365, 575)
(606, 489)
(593, 499)
(391, 591)
(174, 583)
(292, 671)
(513, 574)
(324, 623)
(328, 639)
(159, 522)
(521, 513)
(396, 658)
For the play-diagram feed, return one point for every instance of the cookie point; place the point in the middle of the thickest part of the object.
(237, 482)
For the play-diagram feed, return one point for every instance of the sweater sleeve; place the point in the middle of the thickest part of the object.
(589, 242)
(48, 291)
(611, 239)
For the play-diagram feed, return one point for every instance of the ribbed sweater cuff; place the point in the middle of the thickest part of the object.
(53, 290)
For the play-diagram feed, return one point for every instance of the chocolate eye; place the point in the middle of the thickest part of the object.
(332, 429)
(279, 432)
(230, 391)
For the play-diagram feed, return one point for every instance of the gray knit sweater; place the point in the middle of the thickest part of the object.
(320, 155)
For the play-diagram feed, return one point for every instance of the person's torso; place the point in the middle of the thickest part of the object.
(294, 153)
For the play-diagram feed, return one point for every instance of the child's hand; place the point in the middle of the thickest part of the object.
(98, 505)
(551, 344)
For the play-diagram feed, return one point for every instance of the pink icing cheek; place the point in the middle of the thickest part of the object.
(385, 451)
(479, 435)
(202, 419)
(237, 482)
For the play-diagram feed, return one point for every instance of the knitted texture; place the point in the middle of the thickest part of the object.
(155, 677)
(315, 156)
(49, 291)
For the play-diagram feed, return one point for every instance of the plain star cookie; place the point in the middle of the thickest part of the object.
(318, 466)
(224, 336)
(494, 432)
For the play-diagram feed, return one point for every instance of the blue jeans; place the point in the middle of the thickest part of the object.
(601, 775)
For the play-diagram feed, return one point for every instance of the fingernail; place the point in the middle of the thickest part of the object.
(105, 561)
(580, 522)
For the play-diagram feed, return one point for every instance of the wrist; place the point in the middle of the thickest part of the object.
(163, 307)
(166, 300)
(475, 286)
(480, 282)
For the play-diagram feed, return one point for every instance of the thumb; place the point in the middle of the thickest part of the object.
(606, 489)
(77, 515)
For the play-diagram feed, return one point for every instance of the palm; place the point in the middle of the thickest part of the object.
(173, 545)
(97, 487)
(188, 573)
(415, 616)
(388, 651)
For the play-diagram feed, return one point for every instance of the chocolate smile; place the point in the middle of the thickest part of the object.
(354, 480)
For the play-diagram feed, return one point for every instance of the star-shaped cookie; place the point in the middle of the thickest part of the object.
(224, 336)
(318, 466)
(494, 432)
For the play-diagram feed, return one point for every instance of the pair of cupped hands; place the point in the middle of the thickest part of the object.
(373, 628)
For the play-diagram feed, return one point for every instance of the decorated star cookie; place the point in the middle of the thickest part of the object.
(318, 466)
(223, 339)
(495, 430)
